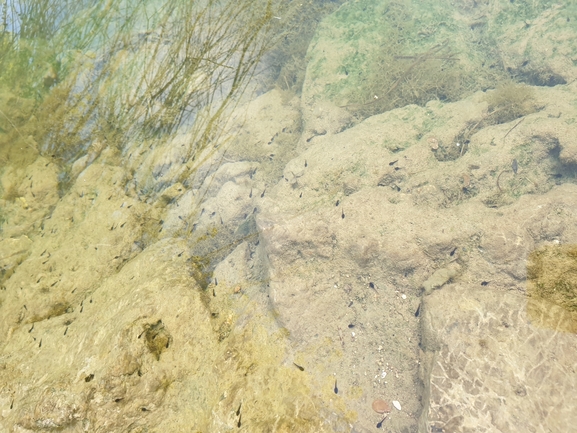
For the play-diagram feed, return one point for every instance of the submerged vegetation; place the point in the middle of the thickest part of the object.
(125, 71)
(510, 101)
(406, 54)
(395, 80)
(407, 64)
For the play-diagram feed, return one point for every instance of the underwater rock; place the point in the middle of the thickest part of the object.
(441, 277)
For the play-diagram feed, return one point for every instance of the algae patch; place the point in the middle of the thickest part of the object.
(552, 287)
(510, 101)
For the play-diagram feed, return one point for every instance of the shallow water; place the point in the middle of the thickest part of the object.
(266, 217)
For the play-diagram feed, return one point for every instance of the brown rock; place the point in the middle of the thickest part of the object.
(381, 406)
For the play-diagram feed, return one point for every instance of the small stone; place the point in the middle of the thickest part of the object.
(381, 406)
(397, 405)
(433, 142)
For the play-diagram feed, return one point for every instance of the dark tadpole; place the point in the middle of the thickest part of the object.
(336, 390)
(301, 368)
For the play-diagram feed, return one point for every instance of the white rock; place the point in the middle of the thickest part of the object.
(397, 405)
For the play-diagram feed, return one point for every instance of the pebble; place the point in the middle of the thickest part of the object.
(397, 405)
(433, 142)
(381, 406)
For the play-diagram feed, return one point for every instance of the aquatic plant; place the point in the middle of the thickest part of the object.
(125, 72)
(509, 102)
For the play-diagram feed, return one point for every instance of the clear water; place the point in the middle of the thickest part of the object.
(284, 217)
